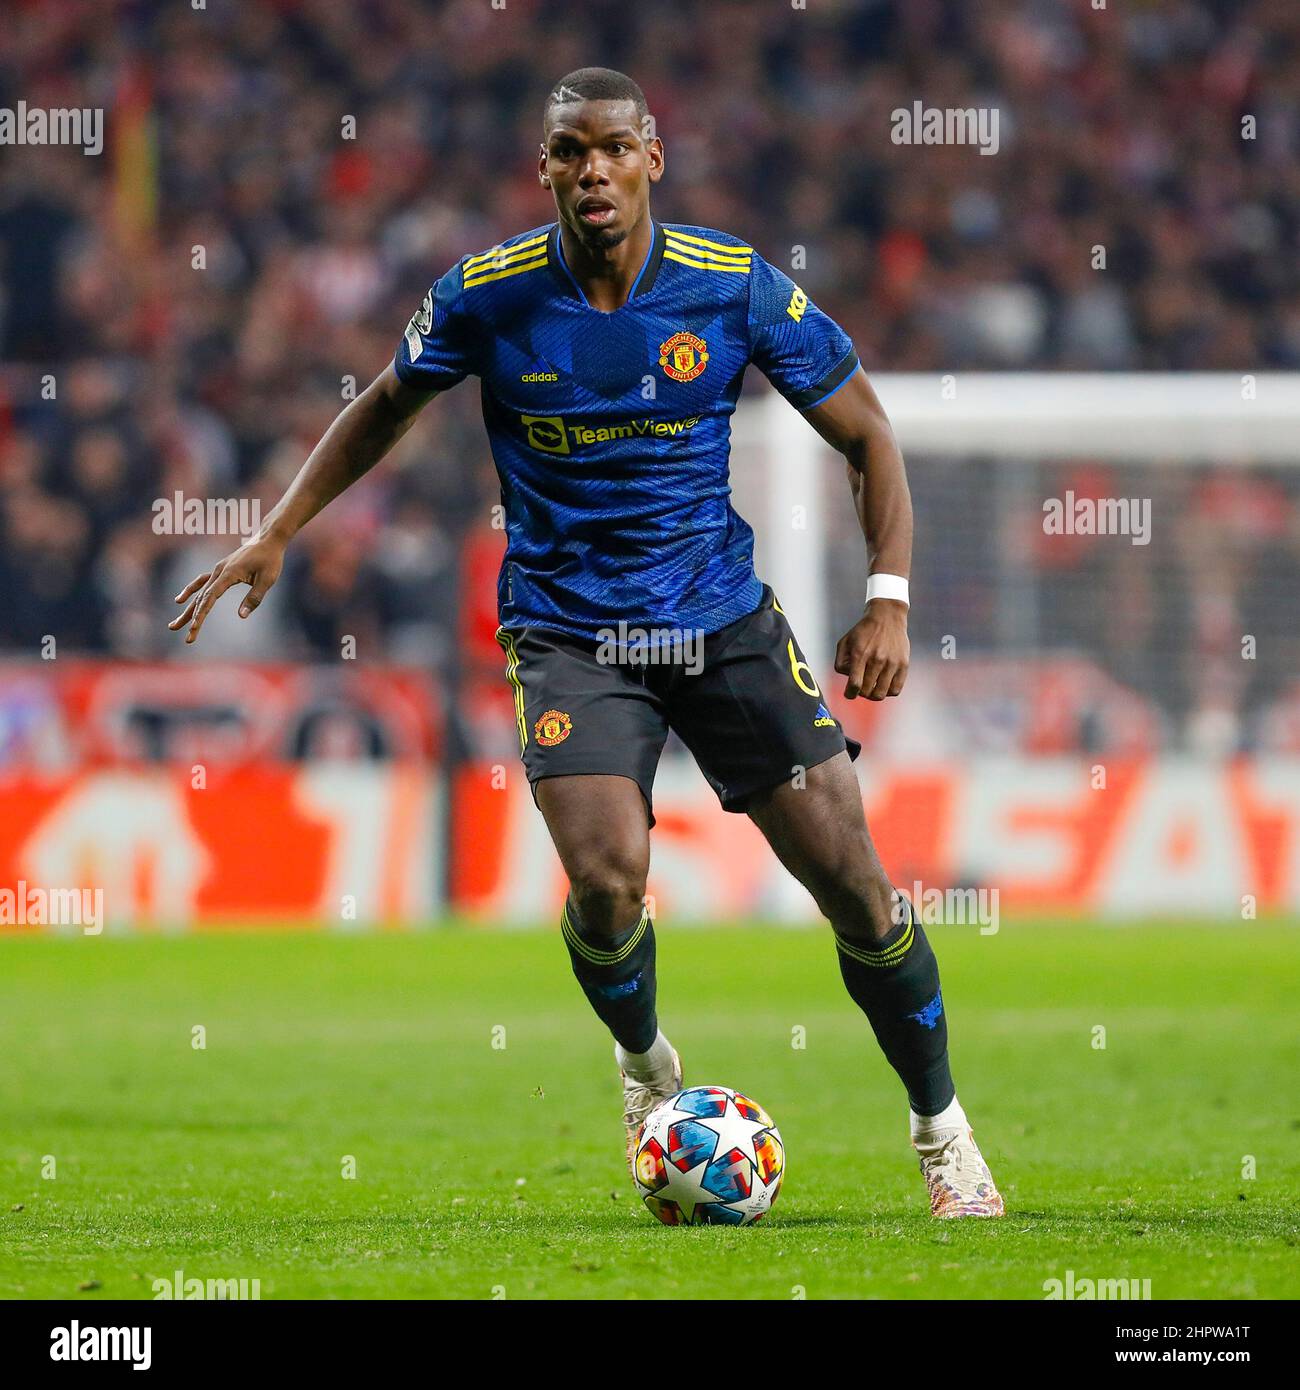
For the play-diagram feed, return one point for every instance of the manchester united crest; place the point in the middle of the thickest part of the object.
(552, 728)
(684, 356)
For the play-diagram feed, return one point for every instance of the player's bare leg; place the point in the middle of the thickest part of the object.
(601, 832)
(819, 832)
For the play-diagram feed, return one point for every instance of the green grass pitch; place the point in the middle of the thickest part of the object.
(488, 1171)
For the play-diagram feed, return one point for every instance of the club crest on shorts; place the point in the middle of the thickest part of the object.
(683, 356)
(552, 728)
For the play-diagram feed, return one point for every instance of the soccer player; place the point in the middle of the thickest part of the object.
(611, 349)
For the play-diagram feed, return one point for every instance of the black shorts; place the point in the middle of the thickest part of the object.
(741, 699)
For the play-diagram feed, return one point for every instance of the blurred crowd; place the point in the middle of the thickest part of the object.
(282, 179)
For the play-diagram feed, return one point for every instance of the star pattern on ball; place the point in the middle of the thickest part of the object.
(711, 1155)
(734, 1131)
(689, 1193)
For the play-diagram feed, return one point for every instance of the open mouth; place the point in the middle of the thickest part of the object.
(596, 212)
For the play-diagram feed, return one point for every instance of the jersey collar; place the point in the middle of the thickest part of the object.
(642, 285)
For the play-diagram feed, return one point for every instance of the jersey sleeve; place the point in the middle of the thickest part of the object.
(803, 352)
(437, 349)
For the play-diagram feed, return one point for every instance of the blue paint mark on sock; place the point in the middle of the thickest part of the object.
(619, 991)
(931, 1013)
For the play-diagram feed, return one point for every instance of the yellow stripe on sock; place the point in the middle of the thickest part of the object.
(593, 955)
(890, 955)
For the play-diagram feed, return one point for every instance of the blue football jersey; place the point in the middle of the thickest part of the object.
(611, 431)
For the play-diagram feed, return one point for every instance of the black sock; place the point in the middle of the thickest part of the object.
(617, 974)
(896, 984)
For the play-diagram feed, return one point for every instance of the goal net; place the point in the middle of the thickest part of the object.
(1105, 599)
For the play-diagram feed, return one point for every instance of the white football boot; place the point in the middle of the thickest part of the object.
(648, 1078)
(954, 1169)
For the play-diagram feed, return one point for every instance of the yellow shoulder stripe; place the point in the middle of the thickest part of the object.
(499, 256)
(480, 279)
(715, 246)
(707, 265)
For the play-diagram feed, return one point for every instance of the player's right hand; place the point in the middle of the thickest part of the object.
(257, 564)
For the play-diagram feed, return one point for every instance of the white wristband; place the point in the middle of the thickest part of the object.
(888, 586)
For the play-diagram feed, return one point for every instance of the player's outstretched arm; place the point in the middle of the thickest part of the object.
(359, 437)
(873, 655)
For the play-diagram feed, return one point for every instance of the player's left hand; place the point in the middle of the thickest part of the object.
(873, 654)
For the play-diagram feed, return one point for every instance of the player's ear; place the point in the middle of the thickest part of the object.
(541, 167)
(655, 159)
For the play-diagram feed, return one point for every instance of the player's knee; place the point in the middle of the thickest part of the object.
(858, 901)
(608, 888)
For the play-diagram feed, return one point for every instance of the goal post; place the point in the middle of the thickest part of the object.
(1136, 416)
(1179, 647)
(786, 478)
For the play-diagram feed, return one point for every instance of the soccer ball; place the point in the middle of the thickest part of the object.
(708, 1156)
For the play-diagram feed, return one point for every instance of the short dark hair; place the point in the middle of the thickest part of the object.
(595, 84)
